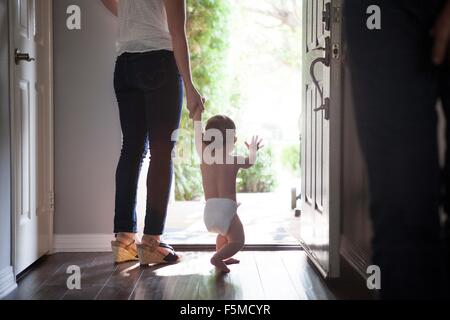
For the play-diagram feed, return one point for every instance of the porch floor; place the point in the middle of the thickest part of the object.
(266, 217)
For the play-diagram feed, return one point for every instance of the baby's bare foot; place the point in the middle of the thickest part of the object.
(231, 261)
(219, 264)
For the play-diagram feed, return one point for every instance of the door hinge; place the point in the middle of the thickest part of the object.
(336, 14)
(336, 51)
(51, 200)
(326, 16)
(331, 15)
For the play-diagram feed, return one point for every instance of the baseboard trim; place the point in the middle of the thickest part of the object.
(82, 243)
(356, 257)
(7, 281)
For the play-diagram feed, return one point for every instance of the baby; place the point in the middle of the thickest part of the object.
(219, 170)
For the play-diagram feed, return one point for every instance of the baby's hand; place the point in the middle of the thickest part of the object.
(255, 144)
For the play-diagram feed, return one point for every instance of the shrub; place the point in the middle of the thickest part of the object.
(290, 158)
(208, 40)
(188, 182)
(260, 177)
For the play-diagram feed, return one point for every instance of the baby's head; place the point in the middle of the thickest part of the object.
(227, 129)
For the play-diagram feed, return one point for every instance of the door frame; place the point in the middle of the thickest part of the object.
(336, 133)
(46, 153)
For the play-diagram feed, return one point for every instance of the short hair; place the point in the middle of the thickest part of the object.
(221, 123)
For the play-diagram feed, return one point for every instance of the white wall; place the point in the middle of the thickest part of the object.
(87, 130)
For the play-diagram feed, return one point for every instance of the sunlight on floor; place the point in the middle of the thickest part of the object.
(266, 221)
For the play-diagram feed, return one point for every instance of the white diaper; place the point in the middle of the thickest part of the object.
(218, 215)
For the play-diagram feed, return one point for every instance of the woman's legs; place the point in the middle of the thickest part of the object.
(149, 91)
(163, 115)
(134, 148)
(163, 118)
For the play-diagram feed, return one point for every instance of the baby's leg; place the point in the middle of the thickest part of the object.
(222, 241)
(236, 240)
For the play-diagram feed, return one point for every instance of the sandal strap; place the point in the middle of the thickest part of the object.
(131, 244)
(171, 257)
(165, 245)
(155, 243)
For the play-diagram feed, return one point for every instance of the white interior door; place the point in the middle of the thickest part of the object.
(319, 224)
(31, 130)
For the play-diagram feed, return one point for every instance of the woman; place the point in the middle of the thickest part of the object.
(152, 65)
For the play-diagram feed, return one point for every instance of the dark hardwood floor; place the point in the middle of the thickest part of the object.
(262, 275)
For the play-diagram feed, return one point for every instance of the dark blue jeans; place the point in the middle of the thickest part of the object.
(149, 92)
(396, 88)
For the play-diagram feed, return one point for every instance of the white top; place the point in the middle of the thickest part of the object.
(143, 26)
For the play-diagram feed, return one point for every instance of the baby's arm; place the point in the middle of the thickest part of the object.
(198, 133)
(253, 148)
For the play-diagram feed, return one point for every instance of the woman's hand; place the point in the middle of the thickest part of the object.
(176, 19)
(195, 102)
(441, 34)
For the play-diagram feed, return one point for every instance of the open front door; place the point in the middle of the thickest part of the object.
(320, 223)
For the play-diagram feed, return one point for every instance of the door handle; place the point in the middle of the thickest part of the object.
(325, 103)
(18, 57)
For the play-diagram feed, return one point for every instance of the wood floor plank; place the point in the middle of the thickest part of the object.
(50, 292)
(149, 287)
(214, 285)
(154, 281)
(276, 282)
(32, 280)
(173, 282)
(246, 279)
(190, 273)
(55, 287)
(185, 278)
(122, 282)
(260, 275)
(93, 278)
(307, 282)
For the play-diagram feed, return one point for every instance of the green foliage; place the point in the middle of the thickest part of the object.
(290, 158)
(188, 182)
(208, 40)
(260, 177)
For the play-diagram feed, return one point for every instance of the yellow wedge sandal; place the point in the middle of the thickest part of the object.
(123, 252)
(149, 254)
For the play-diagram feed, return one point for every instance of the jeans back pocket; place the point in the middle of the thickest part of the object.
(150, 72)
